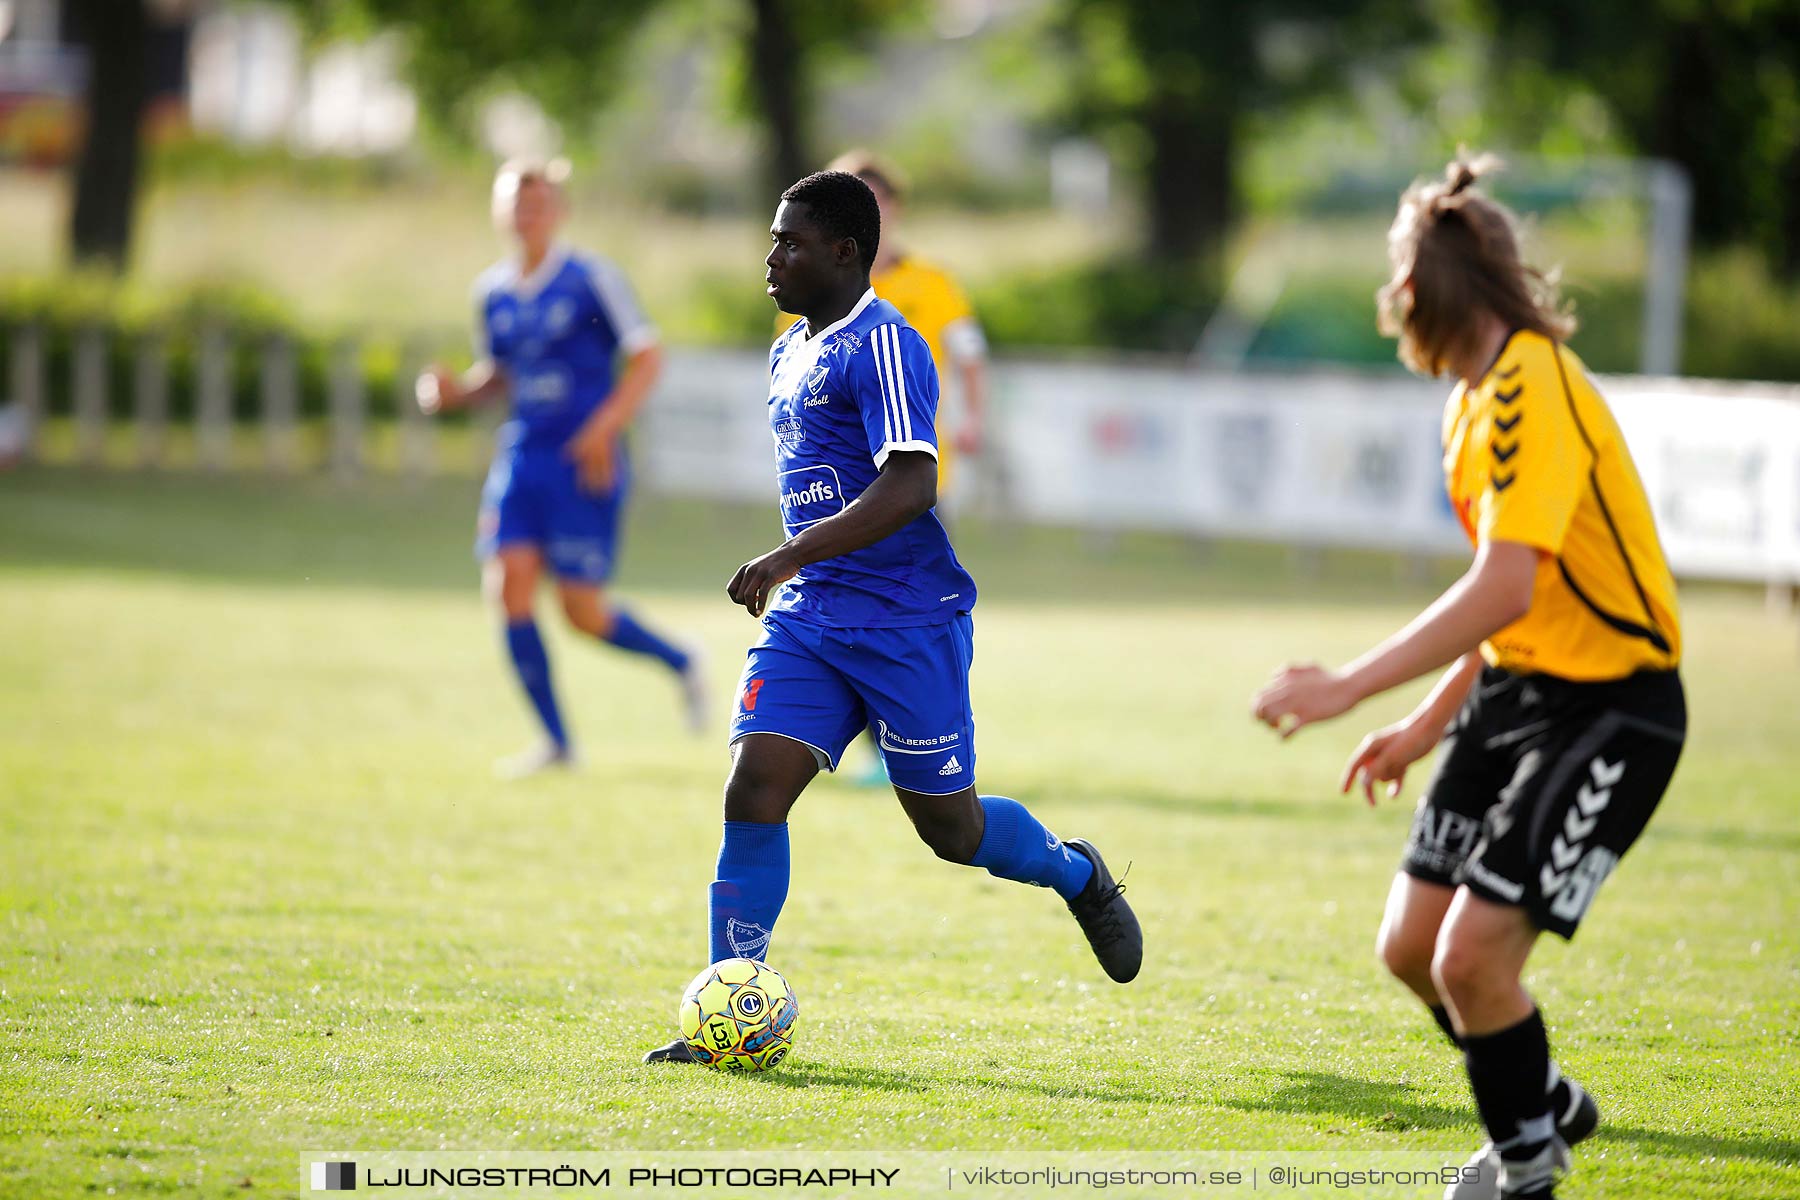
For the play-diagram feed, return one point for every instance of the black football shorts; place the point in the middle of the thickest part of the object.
(1542, 784)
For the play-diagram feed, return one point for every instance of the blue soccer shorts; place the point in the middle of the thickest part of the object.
(909, 687)
(534, 497)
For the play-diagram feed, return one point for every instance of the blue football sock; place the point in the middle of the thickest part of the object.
(532, 666)
(627, 634)
(1015, 846)
(750, 888)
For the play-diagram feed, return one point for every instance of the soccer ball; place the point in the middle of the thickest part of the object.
(738, 1015)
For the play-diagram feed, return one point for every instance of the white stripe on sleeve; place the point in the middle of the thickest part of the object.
(630, 325)
(900, 378)
(878, 347)
(889, 342)
(887, 410)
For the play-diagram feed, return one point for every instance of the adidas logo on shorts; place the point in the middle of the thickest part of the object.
(951, 768)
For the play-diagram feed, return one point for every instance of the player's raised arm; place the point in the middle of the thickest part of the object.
(441, 389)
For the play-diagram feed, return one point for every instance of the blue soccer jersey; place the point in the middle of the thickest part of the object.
(556, 333)
(840, 402)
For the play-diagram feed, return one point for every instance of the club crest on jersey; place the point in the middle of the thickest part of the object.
(748, 940)
(559, 316)
(789, 432)
(815, 378)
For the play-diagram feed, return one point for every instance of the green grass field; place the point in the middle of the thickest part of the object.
(261, 893)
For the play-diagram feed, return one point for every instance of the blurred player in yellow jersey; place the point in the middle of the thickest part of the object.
(932, 303)
(1561, 714)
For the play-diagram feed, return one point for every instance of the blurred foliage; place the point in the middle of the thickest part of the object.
(1739, 322)
(565, 56)
(190, 157)
(1172, 89)
(1127, 306)
(1711, 84)
(776, 75)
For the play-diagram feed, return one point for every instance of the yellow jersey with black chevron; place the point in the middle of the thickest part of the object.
(1532, 454)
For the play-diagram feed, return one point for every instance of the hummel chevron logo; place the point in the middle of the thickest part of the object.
(1576, 827)
(1504, 453)
(1591, 799)
(1508, 424)
(1502, 483)
(1591, 802)
(1509, 397)
(1507, 374)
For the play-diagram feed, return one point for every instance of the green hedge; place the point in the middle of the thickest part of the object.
(1739, 323)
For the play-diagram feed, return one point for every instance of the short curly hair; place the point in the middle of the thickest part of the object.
(842, 206)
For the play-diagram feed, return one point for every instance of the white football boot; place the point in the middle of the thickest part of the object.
(695, 702)
(1486, 1176)
(545, 756)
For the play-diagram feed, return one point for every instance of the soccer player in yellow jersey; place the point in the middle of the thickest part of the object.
(932, 303)
(1561, 713)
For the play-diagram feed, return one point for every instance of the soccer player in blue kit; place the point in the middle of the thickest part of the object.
(865, 609)
(550, 326)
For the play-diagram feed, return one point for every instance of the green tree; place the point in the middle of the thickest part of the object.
(1173, 85)
(783, 45)
(564, 56)
(1711, 84)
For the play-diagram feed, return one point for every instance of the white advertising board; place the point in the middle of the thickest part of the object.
(1322, 458)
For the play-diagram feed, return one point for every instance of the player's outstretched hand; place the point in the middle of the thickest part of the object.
(594, 462)
(1299, 695)
(436, 389)
(757, 579)
(1384, 756)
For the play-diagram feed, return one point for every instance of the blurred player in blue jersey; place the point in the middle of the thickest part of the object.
(865, 609)
(551, 327)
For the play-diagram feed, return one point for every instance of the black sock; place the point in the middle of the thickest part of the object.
(1508, 1071)
(1561, 1093)
(1441, 1015)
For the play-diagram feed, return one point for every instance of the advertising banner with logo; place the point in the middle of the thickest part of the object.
(1329, 458)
